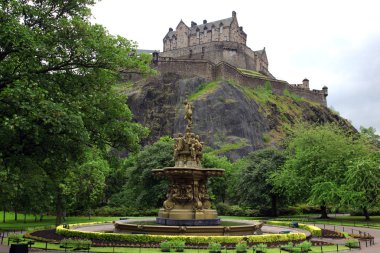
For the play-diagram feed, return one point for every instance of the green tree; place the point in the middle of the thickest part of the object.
(219, 187)
(317, 159)
(253, 187)
(370, 135)
(57, 71)
(142, 189)
(362, 186)
(87, 183)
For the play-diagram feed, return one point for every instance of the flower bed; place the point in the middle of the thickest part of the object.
(144, 238)
(315, 231)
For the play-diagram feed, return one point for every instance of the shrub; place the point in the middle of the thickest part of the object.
(234, 210)
(352, 243)
(75, 244)
(165, 246)
(261, 248)
(241, 247)
(315, 231)
(124, 211)
(214, 247)
(15, 237)
(178, 245)
(305, 246)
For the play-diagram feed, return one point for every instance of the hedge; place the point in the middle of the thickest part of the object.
(143, 238)
(315, 231)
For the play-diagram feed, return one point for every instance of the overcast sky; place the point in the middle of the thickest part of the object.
(331, 42)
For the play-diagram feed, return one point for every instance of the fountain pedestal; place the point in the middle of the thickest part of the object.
(188, 202)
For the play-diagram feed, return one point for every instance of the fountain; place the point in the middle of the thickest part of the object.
(187, 209)
(187, 203)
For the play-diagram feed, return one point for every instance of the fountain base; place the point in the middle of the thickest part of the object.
(188, 222)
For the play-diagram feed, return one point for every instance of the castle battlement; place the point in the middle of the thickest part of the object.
(221, 40)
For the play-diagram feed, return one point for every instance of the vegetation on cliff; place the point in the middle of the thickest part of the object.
(232, 118)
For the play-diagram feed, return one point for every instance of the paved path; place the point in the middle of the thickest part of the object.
(374, 232)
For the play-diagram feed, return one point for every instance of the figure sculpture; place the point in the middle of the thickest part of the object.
(189, 113)
(179, 145)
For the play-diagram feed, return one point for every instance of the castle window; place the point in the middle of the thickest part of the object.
(221, 29)
(198, 35)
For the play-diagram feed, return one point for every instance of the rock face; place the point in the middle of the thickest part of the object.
(230, 118)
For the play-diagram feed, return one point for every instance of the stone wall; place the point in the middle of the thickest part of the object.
(226, 71)
(187, 68)
(233, 53)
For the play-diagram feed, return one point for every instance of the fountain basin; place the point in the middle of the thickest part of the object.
(239, 229)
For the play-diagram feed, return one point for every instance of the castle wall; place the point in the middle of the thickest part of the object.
(187, 68)
(211, 71)
(233, 53)
(182, 36)
(236, 34)
(228, 72)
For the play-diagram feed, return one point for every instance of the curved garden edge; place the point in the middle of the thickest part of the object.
(143, 238)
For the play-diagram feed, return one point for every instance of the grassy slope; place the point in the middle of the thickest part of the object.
(284, 109)
(203, 90)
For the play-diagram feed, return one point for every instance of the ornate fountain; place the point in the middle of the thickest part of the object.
(187, 208)
(188, 202)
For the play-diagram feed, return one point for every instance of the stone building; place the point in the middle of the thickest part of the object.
(218, 41)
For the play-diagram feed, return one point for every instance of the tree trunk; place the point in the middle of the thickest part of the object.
(58, 209)
(274, 205)
(324, 212)
(24, 216)
(15, 214)
(35, 217)
(41, 216)
(4, 213)
(89, 213)
(365, 213)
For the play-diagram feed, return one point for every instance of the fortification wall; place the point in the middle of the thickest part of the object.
(187, 68)
(234, 53)
(223, 70)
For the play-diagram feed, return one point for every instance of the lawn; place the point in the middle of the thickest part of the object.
(355, 221)
(47, 221)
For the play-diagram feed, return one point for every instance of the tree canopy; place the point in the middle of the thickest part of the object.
(322, 166)
(253, 186)
(57, 101)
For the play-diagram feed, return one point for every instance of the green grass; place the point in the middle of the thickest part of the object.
(47, 221)
(252, 73)
(50, 246)
(354, 221)
(229, 146)
(203, 90)
(293, 96)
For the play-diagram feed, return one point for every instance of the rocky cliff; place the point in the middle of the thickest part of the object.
(231, 118)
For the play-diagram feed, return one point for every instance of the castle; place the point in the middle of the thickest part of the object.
(218, 50)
